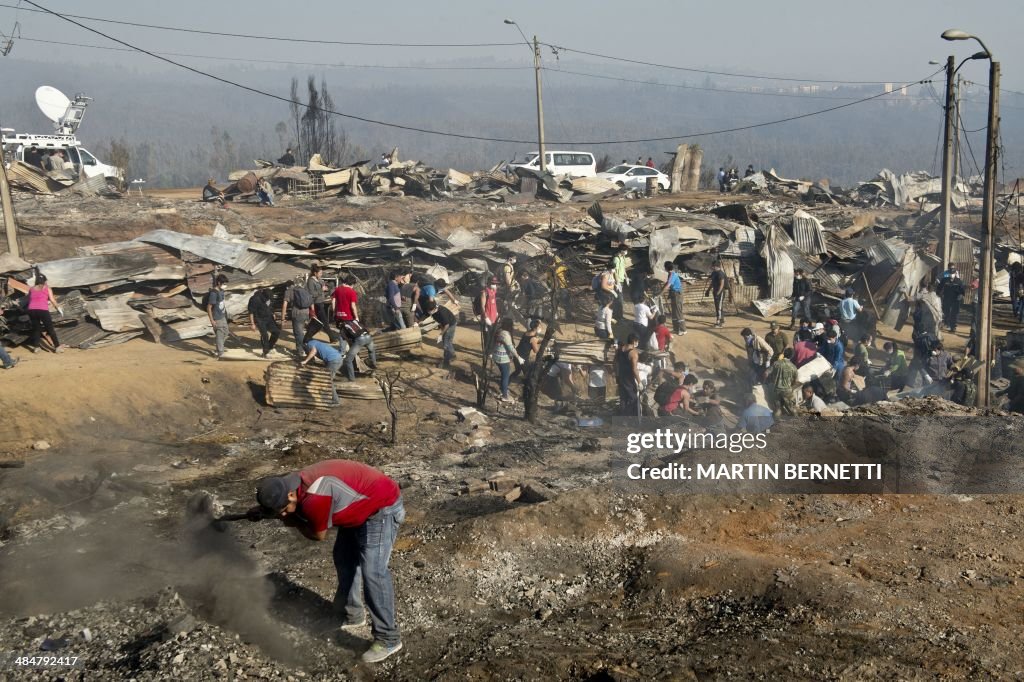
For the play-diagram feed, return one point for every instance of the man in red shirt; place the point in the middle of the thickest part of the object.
(366, 508)
(345, 300)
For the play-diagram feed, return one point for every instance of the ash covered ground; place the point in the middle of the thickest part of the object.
(582, 576)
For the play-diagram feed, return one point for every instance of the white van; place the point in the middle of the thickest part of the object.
(573, 164)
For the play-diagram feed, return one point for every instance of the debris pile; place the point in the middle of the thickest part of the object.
(28, 178)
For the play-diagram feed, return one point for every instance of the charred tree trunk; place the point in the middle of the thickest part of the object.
(387, 387)
(679, 163)
(531, 385)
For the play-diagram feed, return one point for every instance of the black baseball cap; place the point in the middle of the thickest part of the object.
(272, 492)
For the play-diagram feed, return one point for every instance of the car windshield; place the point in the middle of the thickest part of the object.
(618, 170)
(530, 158)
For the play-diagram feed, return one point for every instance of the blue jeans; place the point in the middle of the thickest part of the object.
(448, 341)
(506, 377)
(801, 309)
(5, 358)
(332, 369)
(361, 557)
(397, 318)
(353, 350)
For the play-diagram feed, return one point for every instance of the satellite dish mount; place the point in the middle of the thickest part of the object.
(65, 114)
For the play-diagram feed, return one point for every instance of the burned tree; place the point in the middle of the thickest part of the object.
(387, 388)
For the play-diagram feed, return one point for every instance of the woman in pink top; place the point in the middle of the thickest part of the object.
(40, 297)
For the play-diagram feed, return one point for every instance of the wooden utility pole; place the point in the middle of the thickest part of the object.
(984, 316)
(947, 164)
(8, 212)
(540, 105)
(956, 133)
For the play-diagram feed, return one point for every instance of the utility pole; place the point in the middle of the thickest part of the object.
(956, 133)
(540, 106)
(8, 211)
(984, 335)
(947, 163)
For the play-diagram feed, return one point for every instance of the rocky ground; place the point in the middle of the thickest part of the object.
(526, 555)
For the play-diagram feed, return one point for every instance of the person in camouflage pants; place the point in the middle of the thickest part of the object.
(781, 380)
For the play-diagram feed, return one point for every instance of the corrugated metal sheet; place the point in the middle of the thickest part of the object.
(840, 248)
(289, 385)
(399, 341)
(86, 270)
(237, 255)
(112, 340)
(119, 319)
(808, 235)
(778, 262)
(81, 333)
(167, 265)
(592, 185)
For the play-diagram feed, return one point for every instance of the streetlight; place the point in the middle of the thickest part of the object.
(535, 48)
(983, 338)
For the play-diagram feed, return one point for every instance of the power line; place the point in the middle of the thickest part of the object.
(428, 131)
(280, 61)
(42, 10)
(728, 91)
(706, 71)
(746, 127)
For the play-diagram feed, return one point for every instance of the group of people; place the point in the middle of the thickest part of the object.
(727, 177)
(48, 160)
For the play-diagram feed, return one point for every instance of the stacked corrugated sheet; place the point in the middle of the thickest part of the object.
(291, 385)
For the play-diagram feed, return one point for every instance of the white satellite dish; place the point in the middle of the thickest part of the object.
(52, 102)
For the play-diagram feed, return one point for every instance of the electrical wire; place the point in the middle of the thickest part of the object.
(746, 127)
(42, 10)
(969, 148)
(280, 61)
(428, 131)
(696, 87)
(709, 72)
(223, 34)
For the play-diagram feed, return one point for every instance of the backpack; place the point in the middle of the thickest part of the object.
(301, 297)
(595, 283)
(352, 329)
(664, 391)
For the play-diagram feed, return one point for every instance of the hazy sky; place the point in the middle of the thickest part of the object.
(865, 40)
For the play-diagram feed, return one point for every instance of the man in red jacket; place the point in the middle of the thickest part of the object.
(366, 508)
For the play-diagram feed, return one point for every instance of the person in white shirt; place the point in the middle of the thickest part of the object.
(811, 401)
(603, 320)
(643, 314)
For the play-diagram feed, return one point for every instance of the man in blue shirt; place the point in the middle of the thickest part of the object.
(834, 352)
(755, 418)
(330, 356)
(848, 311)
(393, 303)
(674, 288)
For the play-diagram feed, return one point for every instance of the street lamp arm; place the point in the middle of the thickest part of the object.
(526, 42)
